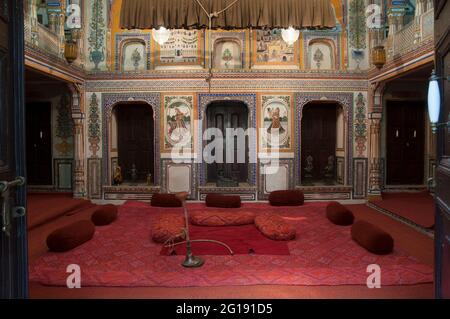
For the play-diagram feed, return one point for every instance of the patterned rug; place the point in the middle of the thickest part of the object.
(122, 254)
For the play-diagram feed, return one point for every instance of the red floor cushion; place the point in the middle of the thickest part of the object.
(223, 201)
(218, 218)
(275, 227)
(292, 197)
(339, 214)
(165, 200)
(104, 215)
(71, 236)
(372, 238)
(168, 226)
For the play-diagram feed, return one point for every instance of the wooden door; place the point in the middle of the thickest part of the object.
(225, 115)
(135, 133)
(442, 224)
(39, 143)
(318, 138)
(13, 231)
(405, 139)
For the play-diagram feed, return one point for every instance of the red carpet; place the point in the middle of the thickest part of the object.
(122, 254)
(44, 207)
(241, 239)
(416, 207)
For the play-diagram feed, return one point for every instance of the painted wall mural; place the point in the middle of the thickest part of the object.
(178, 121)
(94, 129)
(63, 145)
(270, 49)
(183, 48)
(360, 125)
(276, 122)
(229, 49)
(97, 32)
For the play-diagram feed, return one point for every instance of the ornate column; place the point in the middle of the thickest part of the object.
(375, 98)
(79, 184)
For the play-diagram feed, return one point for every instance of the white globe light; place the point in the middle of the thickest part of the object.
(290, 35)
(434, 99)
(161, 35)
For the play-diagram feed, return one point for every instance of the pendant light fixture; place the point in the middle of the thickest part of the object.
(290, 35)
(161, 35)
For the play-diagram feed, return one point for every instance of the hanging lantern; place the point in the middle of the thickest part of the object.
(161, 35)
(378, 56)
(290, 35)
(434, 101)
(70, 51)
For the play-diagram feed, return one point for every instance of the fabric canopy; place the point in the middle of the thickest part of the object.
(188, 14)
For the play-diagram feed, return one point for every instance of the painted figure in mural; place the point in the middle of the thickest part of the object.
(177, 127)
(118, 179)
(276, 122)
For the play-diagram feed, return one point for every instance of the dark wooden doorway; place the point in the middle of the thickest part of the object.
(223, 115)
(318, 142)
(39, 143)
(405, 139)
(135, 135)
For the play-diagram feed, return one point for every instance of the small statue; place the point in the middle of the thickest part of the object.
(329, 169)
(149, 179)
(133, 172)
(225, 182)
(117, 179)
(309, 166)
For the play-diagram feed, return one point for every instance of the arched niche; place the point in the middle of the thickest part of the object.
(227, 54)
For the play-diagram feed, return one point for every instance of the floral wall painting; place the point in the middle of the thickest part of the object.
(177, 120)
(182, 48)
(270, 49)
(64, 128)
(275, 123)
(97, 32)
(134, 57)
(360, 125)
(94, 129)
(227, 55)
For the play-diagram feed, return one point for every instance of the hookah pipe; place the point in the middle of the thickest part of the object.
(190, 261)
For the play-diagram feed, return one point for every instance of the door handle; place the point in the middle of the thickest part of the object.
(7, 212)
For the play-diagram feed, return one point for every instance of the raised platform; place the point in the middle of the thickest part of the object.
(130, 192)
(246, 192)
(332, 192)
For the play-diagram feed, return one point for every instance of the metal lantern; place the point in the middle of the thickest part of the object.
(378, 56)
(71, 51)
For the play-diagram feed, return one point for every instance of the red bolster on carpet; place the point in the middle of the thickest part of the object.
(220, 218)
(275, 227)
(223, 201)
(372, 238)
(339, 214)
(104, 215)
(71, 236)
(291, 197)
(165, 200)
(168, 226)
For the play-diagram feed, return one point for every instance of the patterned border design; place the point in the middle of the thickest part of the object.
(262, 195)
(109, 100)
(204, 99)
(123, 38)
(360, 182)
(94, 178)
(346, 101)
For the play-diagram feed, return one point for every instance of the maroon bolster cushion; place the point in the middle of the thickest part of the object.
(165, 200)
(218, 218)
(291, 197)
(223, 201)
(104, 215)
(168, 226)
(71, 236)
(274, 227)
(339, 214)
(372, 238)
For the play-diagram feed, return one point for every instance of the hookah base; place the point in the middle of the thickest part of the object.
(193, 262)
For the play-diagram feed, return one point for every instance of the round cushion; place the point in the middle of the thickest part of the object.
(223, 201)
(293, 197)
(372, 238)
(71, 236)
(274, 227)
(211, 218)
(338, 214)
(165, 200)
(168, 226)
(104, 215)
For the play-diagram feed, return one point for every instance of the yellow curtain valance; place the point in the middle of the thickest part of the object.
(188, 14)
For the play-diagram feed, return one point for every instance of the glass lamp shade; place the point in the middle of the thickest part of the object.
(290, 35)
(161, 35)
(434, 99)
